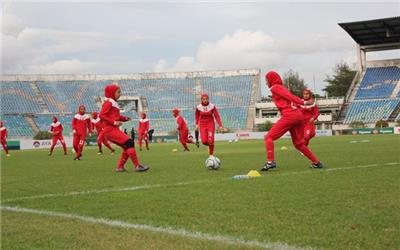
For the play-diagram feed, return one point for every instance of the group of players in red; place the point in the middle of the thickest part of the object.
(297, 118)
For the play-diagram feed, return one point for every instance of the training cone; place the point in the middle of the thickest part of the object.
(254, 173)
(174, 150)
(283, 148)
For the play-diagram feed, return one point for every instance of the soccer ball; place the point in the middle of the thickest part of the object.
(213, 163)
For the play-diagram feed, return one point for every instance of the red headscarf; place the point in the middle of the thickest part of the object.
(175, 112)
(1, 124)
(54, 119)
(309, 92)
(94, 115)
(110, 90)
(203, 96)
(144, 115)
(79, 110)
(273, 78)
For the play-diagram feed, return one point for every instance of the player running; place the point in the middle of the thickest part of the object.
(144, 125)
(3, 137)
(56, 129)
(101, 139)
(311, 114)
(110, 115)
(205, 114)
(80, 125)
(292, 120)
(183, 130)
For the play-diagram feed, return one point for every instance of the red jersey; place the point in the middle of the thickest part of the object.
(56, 128)
(81, 123)
(181, 123)
(3, 132)
(205, 115)
(309, 112)
(284, 100)
(144, 125)
(98, 124)
(110, 112)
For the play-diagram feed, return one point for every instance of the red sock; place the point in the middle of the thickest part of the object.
(185, 146)
(132, 154)
(100, 148)
(269, 148)
(211, 149)
(64, 147)
(307, 152)
(122, 160)
(147, 144)
(51, 149)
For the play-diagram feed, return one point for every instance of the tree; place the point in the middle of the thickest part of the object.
(340, 81)
(357, 124)
(266, 126)
(294, 83)
(381, 124)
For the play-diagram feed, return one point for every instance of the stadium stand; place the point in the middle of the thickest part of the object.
(17, 125)
(21, 91)
(378, 82)
(44, 121)
(371, 111)
(231, 91)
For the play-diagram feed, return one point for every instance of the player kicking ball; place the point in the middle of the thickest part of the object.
(292, 120)
(183, 131)
(110, 115)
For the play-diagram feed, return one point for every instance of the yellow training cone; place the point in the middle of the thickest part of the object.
(283, 148)
(174, 150)
(254, 173)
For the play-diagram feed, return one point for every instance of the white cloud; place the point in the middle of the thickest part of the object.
(248, 49)
(30, 50)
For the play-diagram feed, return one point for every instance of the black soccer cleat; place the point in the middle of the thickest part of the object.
(77, 159)
(268, 166)
(197, 144)
(317, 165)
(141, 168)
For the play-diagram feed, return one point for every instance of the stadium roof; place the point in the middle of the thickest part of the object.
(378, 34)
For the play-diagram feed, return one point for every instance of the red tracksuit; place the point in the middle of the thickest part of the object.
(3, 137)
(205, 115)
(56, 129)
(292, 118)
(101, 139)
(309, 112)
(183, 132)
(80, 125)
(143, 130)
(109, 114)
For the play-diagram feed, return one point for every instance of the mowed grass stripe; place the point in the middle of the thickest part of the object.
(167, 230)
(135, 188)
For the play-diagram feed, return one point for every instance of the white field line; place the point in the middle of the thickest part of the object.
(156, 229)
(134, 188)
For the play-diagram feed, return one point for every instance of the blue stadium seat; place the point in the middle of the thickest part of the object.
(378, 83)
(371, 111)
(17, 125)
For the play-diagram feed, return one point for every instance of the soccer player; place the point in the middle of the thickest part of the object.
(80, 125)
(3, 137)
(110, 115)
(183, 130)
(311, 114)
(143, 131)
(101, 139)
(292, 120)
(205, 114)
(56, 129)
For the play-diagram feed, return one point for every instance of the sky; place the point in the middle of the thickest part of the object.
(101, 37)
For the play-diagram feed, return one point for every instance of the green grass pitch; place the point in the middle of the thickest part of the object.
(353, 203)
